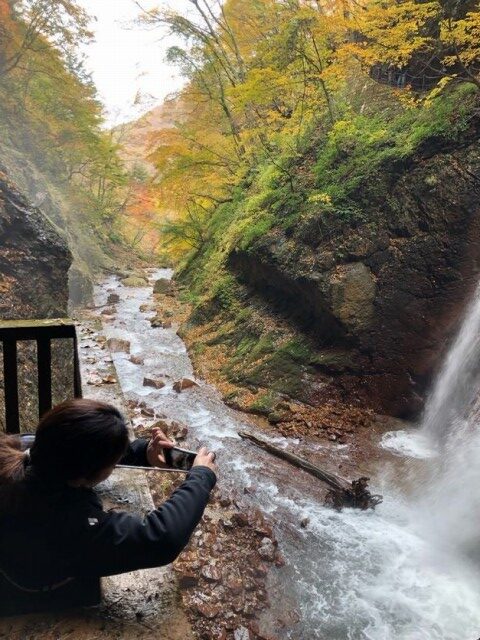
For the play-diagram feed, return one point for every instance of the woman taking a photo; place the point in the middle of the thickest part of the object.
(55, 538)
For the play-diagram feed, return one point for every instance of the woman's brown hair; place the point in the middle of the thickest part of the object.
(76, 439)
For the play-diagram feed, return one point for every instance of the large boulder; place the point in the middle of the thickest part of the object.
(162, 286)
(134, 281)
(353, 294)
(80, 285)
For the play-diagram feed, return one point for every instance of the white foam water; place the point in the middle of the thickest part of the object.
(412, 443)
(402, 572)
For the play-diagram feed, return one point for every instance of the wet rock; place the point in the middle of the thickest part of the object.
(134, 281)
(184, 383)
(240, 519)
(208, 610)
(279, 560)
(163, 286)
(113, 298)
(259, 524)
(159, 323)
(233, 581)
(117, 345)
(261, 570)
(147, 411)
(137, 359)
(211, 573)
(153, 382)
(267, 550)
(304, 522)
(225, 501)
(108, 311)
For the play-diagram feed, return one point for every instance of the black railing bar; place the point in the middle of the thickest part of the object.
(77, 373)
(44, 368)
(10, 373)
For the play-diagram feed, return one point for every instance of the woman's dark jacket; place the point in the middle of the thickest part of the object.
(66, 533)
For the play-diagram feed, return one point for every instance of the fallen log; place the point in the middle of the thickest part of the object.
(342, 493)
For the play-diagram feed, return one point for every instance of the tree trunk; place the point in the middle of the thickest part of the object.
(342, 492)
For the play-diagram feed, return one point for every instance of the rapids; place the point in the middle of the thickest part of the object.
(391, 574)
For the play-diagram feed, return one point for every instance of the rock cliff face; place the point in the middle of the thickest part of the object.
(34, 260)
(386, 287)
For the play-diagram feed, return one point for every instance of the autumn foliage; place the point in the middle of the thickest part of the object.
(267, 76)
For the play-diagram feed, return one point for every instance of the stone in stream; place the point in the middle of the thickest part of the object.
(242, 633)
(136, 359)
(134, 281)
(113, 298)
(267, 550)
(160, 323)
(304, 522)
(184, 383)
(163, 285)
(117, 345)
(153, 382)
(108, 311)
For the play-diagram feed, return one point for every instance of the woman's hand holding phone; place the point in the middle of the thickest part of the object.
(205, 458)
(156, 446)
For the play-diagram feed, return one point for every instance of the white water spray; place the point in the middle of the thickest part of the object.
(451, 506)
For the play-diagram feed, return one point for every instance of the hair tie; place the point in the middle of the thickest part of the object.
(26, 457)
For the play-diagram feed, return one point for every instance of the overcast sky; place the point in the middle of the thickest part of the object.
(125, 58)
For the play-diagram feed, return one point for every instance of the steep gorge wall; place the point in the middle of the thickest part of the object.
(388, 292)
(34, 260)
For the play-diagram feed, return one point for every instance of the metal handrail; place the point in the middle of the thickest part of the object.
(43, 332)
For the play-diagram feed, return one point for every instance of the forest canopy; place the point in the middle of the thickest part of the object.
(270, 79)
(50, 113)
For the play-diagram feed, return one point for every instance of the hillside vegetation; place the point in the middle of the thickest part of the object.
(51, 139)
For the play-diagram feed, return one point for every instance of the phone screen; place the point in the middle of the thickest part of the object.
(179, 458)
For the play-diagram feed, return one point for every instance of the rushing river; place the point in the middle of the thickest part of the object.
(396, 573)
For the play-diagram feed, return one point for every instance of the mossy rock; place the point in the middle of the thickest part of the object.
(163, 285)
(134, 281)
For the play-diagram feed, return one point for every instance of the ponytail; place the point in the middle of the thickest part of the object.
(12, 460)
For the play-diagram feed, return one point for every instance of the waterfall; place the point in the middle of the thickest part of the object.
(458, 384)
(451, 501)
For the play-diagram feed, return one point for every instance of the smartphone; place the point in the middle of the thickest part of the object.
(177, 458)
